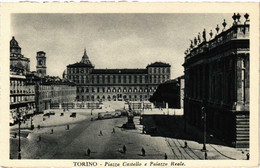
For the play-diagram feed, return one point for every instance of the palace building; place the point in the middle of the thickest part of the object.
(116, 84)
(217, 82)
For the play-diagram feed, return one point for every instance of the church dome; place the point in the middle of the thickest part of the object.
(14, 43)
(85, 59)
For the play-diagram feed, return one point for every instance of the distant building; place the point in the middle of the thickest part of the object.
(22, 95)
(34, 92)
(41, 63)
(16, 58)
(171, 92)
(53, 92)
(116, 84)
(217, 78)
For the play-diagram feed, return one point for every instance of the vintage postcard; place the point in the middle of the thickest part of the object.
(129, 84)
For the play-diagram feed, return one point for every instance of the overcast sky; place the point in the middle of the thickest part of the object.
(111, 40)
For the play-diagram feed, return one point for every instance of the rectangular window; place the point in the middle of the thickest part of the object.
(103, 79)
(130, 79)
(140, 79)
(97, 79)
(119, 79)
(135, 79)
(114, 79)
(108, 79)
(124, 79)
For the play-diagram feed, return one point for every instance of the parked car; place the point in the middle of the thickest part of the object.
(73, 115)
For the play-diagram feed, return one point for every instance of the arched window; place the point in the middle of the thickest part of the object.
(124, 97)
(114, 97)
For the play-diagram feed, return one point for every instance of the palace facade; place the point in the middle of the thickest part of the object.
(217, 78)
(116, 84)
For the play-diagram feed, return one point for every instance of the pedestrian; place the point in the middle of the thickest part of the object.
(143, 151)
(206, 156)
(124, 149)
(15, 134)
(68, 127)
(165, 156)
(88, 152)
(39, 126)
(51, 131)
(100, 133)
(39, 138)
(247, 156)
(113, 130)
(185, 144)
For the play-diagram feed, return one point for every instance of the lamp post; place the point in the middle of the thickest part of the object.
(19, 134)
(203, 111)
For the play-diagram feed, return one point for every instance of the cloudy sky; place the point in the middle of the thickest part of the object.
(111, 40)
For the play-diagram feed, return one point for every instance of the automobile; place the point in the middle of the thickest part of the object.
(51, 113)
(73, 115)
(105, 115)
(108, 116)
(46, 114)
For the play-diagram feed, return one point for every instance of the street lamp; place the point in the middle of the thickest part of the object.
(203, 111)
(19, 134)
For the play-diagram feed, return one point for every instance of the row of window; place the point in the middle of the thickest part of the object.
(78, 70)
(159, 70)
(14, 91)
(108, 89)
(111, 79)
(14, 99)
(112, 97)
(16, 83)
(150, 70)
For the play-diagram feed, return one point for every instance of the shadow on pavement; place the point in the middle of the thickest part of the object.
(173, 127)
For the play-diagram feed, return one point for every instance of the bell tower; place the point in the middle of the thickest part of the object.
(41, 63)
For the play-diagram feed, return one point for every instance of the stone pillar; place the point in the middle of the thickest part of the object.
(60, 106)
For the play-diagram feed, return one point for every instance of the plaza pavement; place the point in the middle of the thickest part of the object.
(84, 134)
